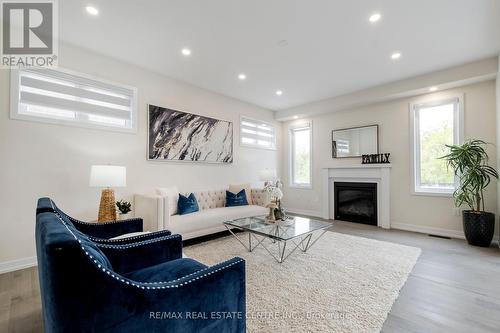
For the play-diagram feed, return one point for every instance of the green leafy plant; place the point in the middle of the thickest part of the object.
(124, 206)
(469, 162)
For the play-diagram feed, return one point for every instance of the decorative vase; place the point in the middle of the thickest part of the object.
(271, 217)
(478, 227)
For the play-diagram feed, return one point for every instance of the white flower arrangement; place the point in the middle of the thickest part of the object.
(274, 191)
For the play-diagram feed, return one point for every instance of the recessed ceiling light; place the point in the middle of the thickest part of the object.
(92, 10)
(433, 88)
(186, 52)
(295, 117)
(279, 92)
(242, 76)
(375, 17)
(395, 55)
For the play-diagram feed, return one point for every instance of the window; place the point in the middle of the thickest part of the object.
(63, 97)
(256, 133)
(434, 125)
(300, 155)
(343, 146)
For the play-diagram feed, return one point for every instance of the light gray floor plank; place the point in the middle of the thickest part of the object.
(453, 287)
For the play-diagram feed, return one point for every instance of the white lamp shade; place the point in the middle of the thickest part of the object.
(108, 176)
(267, 174)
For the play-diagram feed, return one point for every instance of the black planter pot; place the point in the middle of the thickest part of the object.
(478, 227)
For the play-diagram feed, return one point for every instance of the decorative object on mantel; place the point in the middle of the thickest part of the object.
(107, 176)
(124, 208)
(355, 141)
(469, 162)
(382, 158)
(181, 136)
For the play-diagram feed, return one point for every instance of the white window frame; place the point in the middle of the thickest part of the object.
(458, 134)
(16, 114)
(253, 120)
(291, 129)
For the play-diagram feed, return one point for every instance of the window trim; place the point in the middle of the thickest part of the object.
(291, 128)
(248, 145)
(458, 135)
(15, 114)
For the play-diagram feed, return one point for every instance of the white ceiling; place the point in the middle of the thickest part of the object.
(330, 49)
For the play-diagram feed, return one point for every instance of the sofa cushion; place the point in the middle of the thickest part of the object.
(236, 199)
(187, 205)
(246, 187)
(209, 218)
(166, 271)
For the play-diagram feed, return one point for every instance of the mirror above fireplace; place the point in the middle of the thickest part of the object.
(355, 141)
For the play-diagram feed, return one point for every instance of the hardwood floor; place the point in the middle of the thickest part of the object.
(453, 287)
(20, 304)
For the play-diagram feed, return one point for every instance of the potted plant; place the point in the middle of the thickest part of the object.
(124, 209)
(469, 162)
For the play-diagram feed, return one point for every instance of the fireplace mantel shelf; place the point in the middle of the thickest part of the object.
(361, 166)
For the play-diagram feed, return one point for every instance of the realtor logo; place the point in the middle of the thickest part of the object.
(29, 33)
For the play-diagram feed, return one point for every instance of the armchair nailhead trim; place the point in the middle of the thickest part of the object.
(127, 246)
(197, 272)
(103, 240)
(212, 271)
(142, 285)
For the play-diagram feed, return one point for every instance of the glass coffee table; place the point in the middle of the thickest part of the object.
(288, 236)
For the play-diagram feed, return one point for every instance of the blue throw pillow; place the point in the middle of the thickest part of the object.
(239, 199)
(187, 205)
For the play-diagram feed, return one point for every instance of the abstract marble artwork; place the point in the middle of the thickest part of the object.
(181, 136)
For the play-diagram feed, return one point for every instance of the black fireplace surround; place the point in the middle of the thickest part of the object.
(356, 202)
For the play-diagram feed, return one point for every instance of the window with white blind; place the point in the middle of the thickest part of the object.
(64, 97)
(256, 133)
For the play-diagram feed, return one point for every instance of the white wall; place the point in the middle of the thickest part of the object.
(39, 159)
(393, 119)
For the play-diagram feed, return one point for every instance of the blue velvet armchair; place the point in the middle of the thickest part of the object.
(140, 286)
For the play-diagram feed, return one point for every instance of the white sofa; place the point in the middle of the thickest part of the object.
(156, 212)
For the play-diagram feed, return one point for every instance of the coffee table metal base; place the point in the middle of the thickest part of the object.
(303, 243)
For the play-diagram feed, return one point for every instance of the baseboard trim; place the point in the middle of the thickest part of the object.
(14, 265)
(307, 212)
(435, 231)
(428, 230)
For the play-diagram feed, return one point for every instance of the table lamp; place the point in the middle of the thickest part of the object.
(107, 176)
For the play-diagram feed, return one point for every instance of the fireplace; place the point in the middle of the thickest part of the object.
(356, 202)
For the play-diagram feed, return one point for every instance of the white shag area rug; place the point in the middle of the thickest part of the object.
(343, 283)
